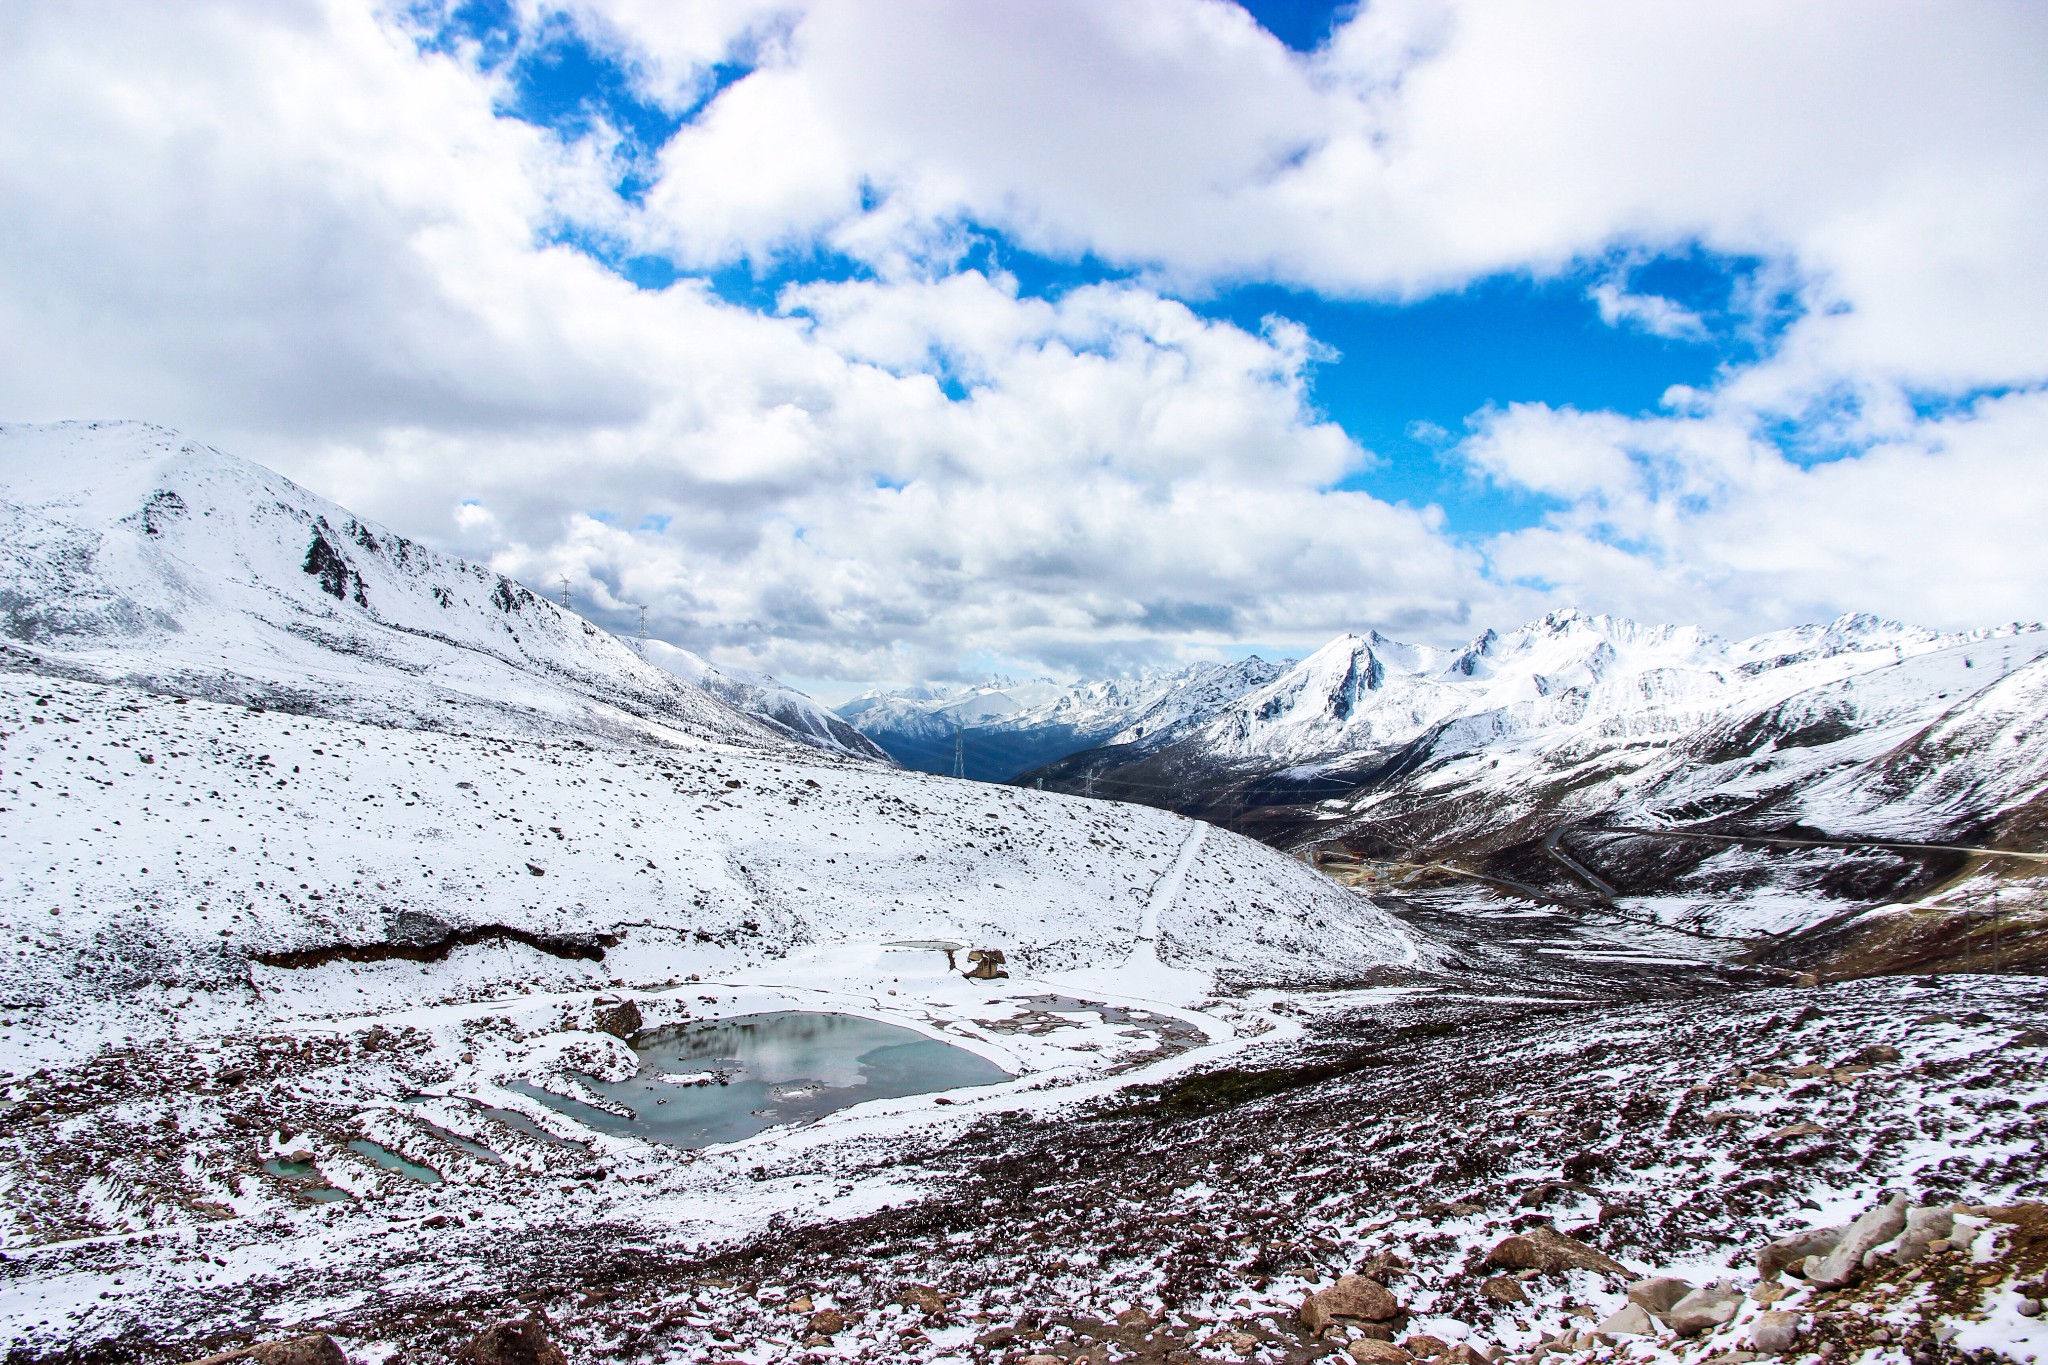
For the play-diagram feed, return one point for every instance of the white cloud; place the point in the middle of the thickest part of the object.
(1653, 313)
(1701, 518)
(289, 230)
(1888, 150)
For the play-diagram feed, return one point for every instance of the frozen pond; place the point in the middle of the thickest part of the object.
(732, 1078)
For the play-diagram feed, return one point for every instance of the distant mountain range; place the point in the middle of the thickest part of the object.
(1005, 727)
(1509, 753)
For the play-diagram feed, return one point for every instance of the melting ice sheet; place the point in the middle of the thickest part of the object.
(729, 1079)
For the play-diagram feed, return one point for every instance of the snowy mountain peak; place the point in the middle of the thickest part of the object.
(130, 553)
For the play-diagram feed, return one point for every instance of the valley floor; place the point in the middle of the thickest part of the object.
(1165, 1185)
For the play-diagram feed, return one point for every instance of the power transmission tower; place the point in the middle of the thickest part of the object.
(565, 594)
(959, 752)
(643, 623)
(640, 639)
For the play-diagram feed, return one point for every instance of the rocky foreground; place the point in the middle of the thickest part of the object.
(1632, 1164)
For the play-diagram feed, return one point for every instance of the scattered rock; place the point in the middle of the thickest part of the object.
(1658, 1293)
(521, 1341)
(1504, 1289)
(827, 1322)
(1790, 1253)
(923, 1298)
(1369, 1352)
(1924, 1227)
(1631, 1321)
(1353, 1296)
(2030, 1308)
(1774, 1331)
(1427, 1347)
(1872, 1230)
(1704, 1308)
(1794, 1130)
(1547, 1249)
(1466, 1353)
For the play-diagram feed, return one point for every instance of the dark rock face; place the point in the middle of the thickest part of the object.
(621, 1020)
(521, 1341)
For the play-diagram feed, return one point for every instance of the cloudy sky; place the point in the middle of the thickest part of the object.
(888, 340)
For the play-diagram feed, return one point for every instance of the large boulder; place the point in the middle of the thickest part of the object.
(1790, 1252)
(1706, 1307)
(1631, 1321)
(1656, 1294)
(1924, 1227)
(315, 1349)
(520, 1341)
(1774, 1331)
(1547, 1249)
(1353, 1296)
(1865, 1235)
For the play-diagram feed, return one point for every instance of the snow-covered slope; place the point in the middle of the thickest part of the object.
(1008, 727)
(127, 552)
(765, 699)
(1858, 729)
(1566, 677)
(240, 725)
(159, 847)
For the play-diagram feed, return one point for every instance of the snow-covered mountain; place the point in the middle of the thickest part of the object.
(765, 699)
(241, 725)
(1857, 729)
(1006, 726)
(128, 553)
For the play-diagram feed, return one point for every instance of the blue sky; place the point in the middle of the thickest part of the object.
(1402, 376)
(870, 344)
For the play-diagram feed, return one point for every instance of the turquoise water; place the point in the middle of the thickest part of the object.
(392, 1161)
(306, 1177)
(732, 1078)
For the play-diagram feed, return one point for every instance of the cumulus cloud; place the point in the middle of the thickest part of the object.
(1702, 517)
(309, 232)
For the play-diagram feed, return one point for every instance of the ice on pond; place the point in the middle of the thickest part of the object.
(731, 1078)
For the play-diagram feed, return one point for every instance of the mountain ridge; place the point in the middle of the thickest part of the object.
(132, 553)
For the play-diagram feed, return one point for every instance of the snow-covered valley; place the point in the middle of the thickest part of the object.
(333, 918)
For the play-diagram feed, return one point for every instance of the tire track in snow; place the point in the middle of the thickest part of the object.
(1167, 889)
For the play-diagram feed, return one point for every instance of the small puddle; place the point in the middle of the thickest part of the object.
(392, 1161)
(732, 1078)
(304, 1174)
